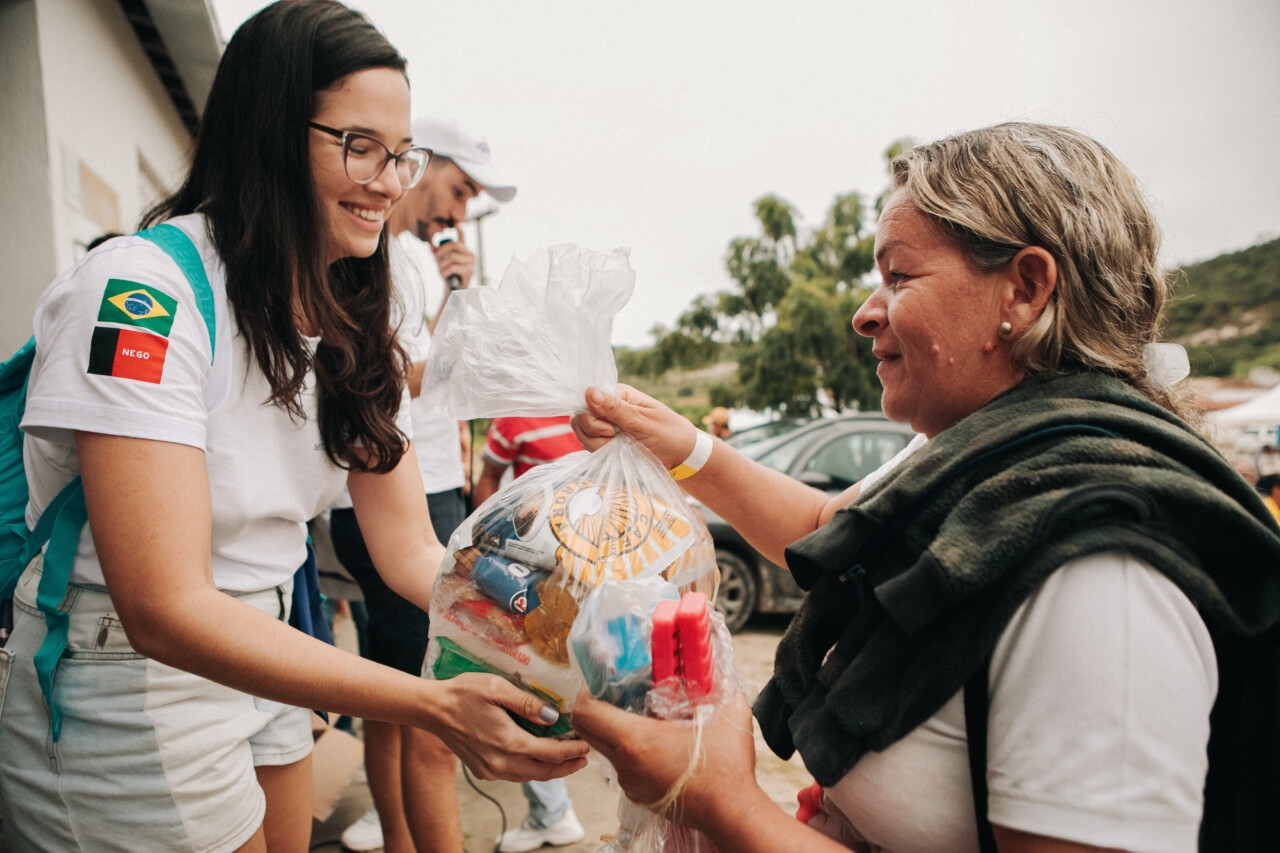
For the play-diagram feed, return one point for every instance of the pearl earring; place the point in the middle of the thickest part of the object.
(1006, 327)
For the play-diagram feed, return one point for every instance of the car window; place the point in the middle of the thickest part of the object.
(848, 458)
(781, 452)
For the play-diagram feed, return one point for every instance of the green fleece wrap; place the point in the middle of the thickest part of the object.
(911, 588)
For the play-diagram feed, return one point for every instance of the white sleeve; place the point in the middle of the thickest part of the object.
(879, 474)
(419, 257)
(1101, 689)
(404, 416)
(121, 349)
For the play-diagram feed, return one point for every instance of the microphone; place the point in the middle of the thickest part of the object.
(448, 235)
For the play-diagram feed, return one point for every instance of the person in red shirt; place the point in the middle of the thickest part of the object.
(521, 444)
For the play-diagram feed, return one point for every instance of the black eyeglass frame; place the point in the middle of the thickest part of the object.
(347, 136)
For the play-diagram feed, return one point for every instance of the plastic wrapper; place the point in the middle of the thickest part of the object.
(532, 344)
(673, 698)
(556, 581)
(610, 640)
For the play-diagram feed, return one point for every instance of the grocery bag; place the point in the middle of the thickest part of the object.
(554, 582)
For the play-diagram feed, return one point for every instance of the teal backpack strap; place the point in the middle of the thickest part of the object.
(178, 246)
(13, 477)
(61, 522)
(69, 518)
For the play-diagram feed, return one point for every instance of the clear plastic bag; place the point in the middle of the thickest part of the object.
(554, 581)
(532, 344)
(523, 566)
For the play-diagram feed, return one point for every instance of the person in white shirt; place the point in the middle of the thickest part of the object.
(204, 448)
(1055, 548)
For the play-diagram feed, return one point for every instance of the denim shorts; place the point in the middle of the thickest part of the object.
(150, 757)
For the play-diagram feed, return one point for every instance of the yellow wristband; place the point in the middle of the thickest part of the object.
(697, 458)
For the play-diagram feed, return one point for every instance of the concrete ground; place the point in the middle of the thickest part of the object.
(593, 801)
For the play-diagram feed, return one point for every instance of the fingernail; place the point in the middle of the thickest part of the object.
(548, 714)
(595, 395)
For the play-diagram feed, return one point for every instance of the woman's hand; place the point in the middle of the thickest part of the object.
(651, 756)
(667, 435)
(470, 715)
(721, 799)
(767, 507)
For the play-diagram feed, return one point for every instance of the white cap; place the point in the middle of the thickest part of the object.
(444, 137)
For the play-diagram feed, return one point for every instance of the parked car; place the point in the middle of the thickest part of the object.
(767, 430)
(830, 454)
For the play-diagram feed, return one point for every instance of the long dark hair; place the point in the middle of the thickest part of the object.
(251, 177)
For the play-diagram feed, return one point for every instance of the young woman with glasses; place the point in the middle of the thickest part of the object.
(204, 447)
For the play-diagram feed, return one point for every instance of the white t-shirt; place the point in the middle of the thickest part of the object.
(1100, 693)
(917, 442)
(107, 366)
(435, 436)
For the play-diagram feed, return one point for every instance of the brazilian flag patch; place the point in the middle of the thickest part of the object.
(133, 304)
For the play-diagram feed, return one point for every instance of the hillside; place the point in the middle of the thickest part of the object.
(686, 391)
(1226, 311)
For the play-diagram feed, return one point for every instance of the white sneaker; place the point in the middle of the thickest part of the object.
(364, 834)
(524, 837)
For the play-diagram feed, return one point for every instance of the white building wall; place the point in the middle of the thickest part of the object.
(26, 216)
(106, 111)
(83, 110)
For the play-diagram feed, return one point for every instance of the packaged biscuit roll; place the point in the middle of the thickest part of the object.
(513, 522)
(510, 584)
(466, 607)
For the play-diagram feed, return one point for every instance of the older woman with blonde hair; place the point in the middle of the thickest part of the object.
(1013, 638)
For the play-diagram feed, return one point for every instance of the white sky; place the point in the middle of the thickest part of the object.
(656, 125)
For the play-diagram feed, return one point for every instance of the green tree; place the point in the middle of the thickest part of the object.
(1226, 311)
(692, 343)
(788, 317)
(793, 307)
(759, 268)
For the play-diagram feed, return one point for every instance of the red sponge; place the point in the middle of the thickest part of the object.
(665, 648)
(693, 629)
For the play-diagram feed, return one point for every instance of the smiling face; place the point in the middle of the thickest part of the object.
(935, 320)
(438, 202)
(374, 102)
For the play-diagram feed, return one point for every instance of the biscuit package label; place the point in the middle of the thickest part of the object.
(605, 533)
(590, 530)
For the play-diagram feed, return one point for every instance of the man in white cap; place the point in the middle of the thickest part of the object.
(460, 168)
(411, 773)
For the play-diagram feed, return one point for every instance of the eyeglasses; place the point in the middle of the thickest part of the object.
(364, 158)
